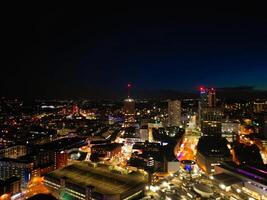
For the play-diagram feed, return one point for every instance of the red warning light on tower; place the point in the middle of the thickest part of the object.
(202, 89)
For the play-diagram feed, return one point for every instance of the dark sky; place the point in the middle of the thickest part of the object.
(93, 50)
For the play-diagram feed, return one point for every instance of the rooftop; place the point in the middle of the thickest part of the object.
(213, 146)
(100, 177)
(256, 173)
(62, 144)
(226, 179)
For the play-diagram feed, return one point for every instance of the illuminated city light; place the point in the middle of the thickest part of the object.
(222, 186)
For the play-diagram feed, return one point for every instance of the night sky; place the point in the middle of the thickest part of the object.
(88, 51)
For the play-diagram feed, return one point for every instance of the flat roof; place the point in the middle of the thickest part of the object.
(101, 177)
(256, 173)
(226, 179)
(62, 144)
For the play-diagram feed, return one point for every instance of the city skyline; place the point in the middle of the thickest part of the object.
(74, 51)
(134, 102)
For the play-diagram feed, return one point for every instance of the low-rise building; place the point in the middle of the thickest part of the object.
(85, 181)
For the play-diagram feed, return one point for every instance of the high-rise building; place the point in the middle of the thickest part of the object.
(207, 97)
(203, 103)
(211, 98)
(203, 97)
(211, 121)
(129, 112)
(129, 109)
(212, 147)
(210, 116)
(24, 169)
(174, 113)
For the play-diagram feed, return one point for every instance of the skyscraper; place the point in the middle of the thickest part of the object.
(203, 97)
(207, 97)
(174, 113)
(210, 115)
(212, 148)
(211, 121)
(129, 109)
(203, 103)
(211, 98)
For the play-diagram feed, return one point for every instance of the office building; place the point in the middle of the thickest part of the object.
(106, 150)
(203, 97)
(260, 106)
(211, 121)
(174, 113)
(230, 130)
(129, 112)
(211, 151)
(56, 152)
(24, 169)
(144, 136)
(10, 186)
(210, 116)
(211, 98)
(14, 151)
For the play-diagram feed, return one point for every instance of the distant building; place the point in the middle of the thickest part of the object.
(230, 127)
(263, 125)
(260, 106)
(10, 186)
(192, 122)
(144, 136)
(203, 97)
(207, 111)
(14, 151)
(174, 113)
(211, 121)
(230, 130)
(129, 111)
(211, 98)
(106, 150)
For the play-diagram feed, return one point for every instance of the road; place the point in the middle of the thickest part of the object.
(187, 147)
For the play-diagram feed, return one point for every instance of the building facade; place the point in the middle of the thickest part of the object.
(129, 112)
(174, 113)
